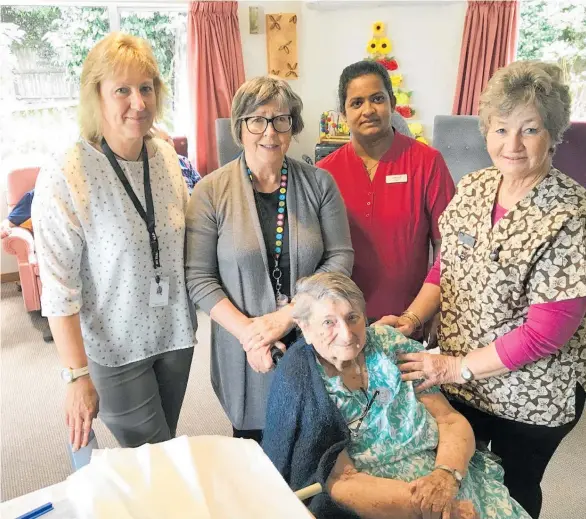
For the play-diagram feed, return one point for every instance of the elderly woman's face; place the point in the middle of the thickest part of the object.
(129, 104)
(268, 146)
(519, 143)
(336, 330)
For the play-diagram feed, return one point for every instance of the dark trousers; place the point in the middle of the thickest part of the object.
(525, 450)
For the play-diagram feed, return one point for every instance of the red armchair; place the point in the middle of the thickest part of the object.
(19, 242)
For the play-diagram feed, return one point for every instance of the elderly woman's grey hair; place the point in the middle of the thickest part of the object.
(528, 83)
(325, 286)
(260, 91)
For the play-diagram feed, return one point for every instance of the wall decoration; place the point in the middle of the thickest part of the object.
(281, 31)
(254, 20)
(379, 49)
(333, 128)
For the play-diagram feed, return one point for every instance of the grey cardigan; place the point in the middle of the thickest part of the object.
(226, 257)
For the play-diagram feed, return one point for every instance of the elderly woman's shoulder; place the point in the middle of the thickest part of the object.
(570, 192)
(295, 362)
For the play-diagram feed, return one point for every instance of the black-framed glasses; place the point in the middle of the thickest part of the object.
(355, 429)
(257, 124)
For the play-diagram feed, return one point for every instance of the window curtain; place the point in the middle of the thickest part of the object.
(215, 71)
(489, 42)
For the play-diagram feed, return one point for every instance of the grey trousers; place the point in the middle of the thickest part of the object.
(140, 402)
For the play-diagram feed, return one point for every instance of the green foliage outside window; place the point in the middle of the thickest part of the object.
(555, 30)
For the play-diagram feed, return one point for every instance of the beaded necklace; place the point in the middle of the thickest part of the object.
(282, 299)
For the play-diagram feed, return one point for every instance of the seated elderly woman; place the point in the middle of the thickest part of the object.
(339, 414)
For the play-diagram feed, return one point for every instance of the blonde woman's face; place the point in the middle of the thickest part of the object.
(129, 105)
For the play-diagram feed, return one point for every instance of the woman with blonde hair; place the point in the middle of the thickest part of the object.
(511, 284)
(109, 222)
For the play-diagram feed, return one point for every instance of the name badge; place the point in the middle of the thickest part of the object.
(384, 395)
(159, 292)
(466, 239)
(396, 179)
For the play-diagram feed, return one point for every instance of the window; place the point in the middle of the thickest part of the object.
(167, 32)
(45, 46)
(555, 30)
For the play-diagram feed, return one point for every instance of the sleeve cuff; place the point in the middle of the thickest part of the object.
(207, 302)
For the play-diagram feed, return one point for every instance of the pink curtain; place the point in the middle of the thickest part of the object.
(489, 42)
(215, 71)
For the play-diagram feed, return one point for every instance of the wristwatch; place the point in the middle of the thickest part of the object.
(465, 372)
(69, 375)
(457, 476)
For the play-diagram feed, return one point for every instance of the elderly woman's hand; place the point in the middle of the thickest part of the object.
(432, 368)
(402, 324)
(434, 494)
(265, 330)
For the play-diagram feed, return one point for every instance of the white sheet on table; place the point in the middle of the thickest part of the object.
(205, 477)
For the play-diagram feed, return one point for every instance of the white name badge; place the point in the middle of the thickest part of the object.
(396, 179)
(159, 293)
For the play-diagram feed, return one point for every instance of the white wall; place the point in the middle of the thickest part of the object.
(426, 38)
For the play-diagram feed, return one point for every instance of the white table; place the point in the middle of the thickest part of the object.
(55, 494)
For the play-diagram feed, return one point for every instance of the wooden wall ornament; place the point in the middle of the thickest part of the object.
(281, 31)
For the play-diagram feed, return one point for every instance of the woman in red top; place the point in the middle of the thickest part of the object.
(394, 187)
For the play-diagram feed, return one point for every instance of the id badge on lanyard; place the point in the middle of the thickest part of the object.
(159, 286)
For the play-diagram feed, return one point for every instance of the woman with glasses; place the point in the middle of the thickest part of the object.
(339, 414)
(254, 227)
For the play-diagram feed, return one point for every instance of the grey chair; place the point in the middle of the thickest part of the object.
(460, 142)
(228, 150)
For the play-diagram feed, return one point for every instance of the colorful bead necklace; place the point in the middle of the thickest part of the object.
(282, 299)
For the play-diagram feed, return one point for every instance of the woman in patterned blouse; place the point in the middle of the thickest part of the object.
(510, 284)
(112, 266)
(340, 414)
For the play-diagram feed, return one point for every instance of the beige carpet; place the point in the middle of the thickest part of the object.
(32, 431)
(33, 436)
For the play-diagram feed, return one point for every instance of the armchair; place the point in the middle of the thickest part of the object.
(19, 242)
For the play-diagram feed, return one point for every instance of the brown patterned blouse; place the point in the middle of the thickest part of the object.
(491, 275)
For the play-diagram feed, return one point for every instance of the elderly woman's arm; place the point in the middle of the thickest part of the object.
(369, 496)
(372, 497)
(338, 252)
(435, 493)
(548, 327)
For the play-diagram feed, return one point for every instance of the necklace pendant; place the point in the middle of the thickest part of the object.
(282, 300)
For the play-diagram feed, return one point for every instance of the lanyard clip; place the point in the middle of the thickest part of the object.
(154, 242)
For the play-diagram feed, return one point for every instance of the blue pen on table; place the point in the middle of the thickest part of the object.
(37, 512)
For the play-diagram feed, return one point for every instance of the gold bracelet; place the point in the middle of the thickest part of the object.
(414, 319)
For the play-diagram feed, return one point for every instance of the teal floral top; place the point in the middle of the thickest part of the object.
(394, 436)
